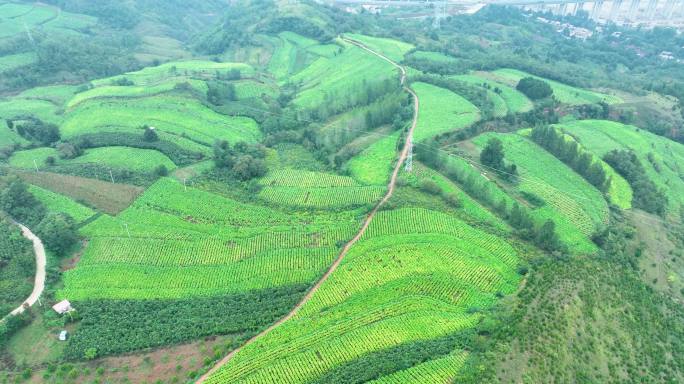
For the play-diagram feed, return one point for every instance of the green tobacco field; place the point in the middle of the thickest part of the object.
(247, 193)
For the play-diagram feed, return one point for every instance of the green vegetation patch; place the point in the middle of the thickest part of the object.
(441, 111)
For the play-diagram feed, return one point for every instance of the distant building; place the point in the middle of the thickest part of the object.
(63, 336)
(666, 55)
(62, 307)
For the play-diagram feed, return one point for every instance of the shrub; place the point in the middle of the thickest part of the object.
(533, 88)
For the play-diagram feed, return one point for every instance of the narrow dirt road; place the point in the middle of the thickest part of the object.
(366, 223)
(39, 282)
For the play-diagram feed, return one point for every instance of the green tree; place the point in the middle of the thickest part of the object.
(150, 134)
(547, 238)
(493, 154)
(533, 88)
(58, 232)
(19, 203)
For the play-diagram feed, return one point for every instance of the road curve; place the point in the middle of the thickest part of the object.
(39, 282)
(366, 223)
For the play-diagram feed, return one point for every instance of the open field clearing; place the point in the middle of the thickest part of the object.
(55, 202)
(665, 166)
(138, 160)
(393, 49)
(381, 296)
(441, 111)
(514, 100)
(563, 92)
(104, 196)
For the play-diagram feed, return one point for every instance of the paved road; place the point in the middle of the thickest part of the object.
(39, 283)
(347, 247)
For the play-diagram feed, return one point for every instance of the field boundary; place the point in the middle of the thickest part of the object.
(359, 234)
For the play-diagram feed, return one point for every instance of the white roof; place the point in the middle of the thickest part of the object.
(62, 307)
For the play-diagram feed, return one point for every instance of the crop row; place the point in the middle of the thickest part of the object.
(322, 198)
(202, 251)
(305, 179)
(440, 370)
(300, 360)
(130, 281)
(417, 220)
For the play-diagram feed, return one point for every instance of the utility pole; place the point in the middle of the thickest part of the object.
(184, 185)
(111, 176)
(127, 232)
(35, 165)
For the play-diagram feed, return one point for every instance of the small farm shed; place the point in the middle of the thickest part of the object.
(62, 307)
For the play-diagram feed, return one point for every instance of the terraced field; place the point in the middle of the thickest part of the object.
(23, 18)
(393, 49)
(563, 92)
(576, 207)
(210, 245)
(172, 114)
(55, 202)
(600, 137)
(317, 190)
(513, 100)
(373, 166)
(337, 80)
(179, 70)
(140, 160)
(413, 277)
(441, 111)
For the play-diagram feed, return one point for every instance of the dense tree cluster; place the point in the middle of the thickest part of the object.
(242, 160)
(533, 88)
(647, 195)
(20, 204)
(118, 326)
(569, 152)
(218, 93)
(37, 131)
(58, 232)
